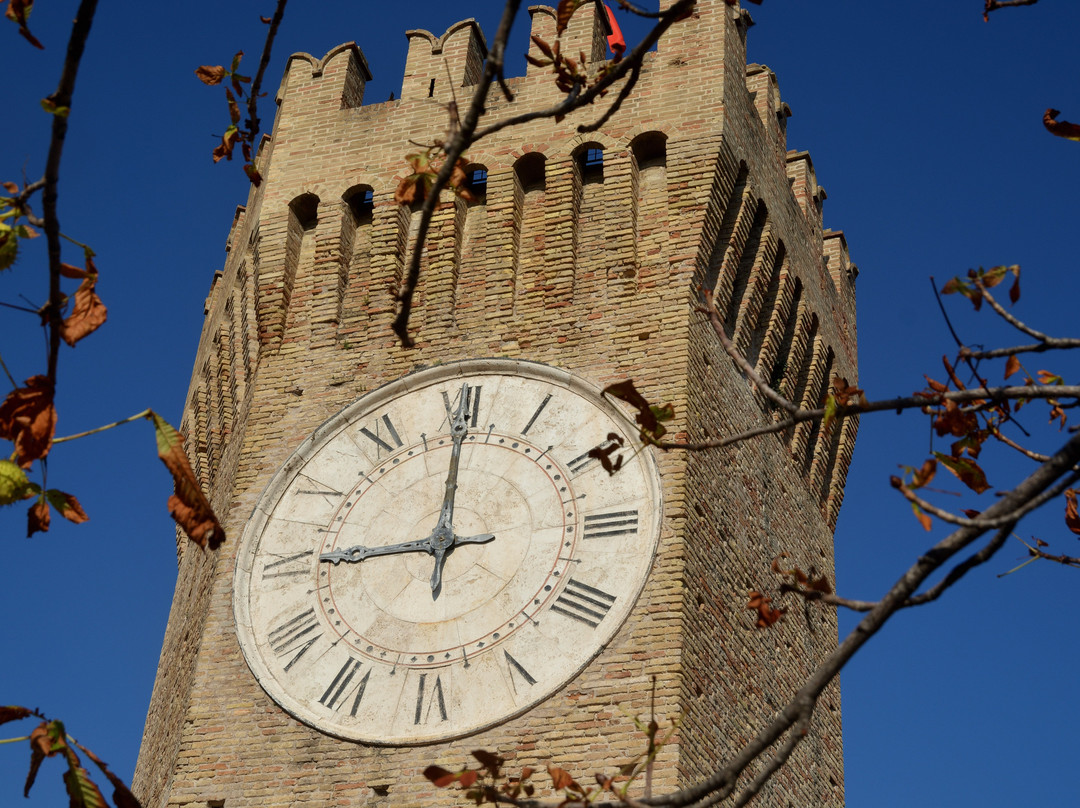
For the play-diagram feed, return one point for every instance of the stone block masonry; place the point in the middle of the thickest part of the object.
(586, 252)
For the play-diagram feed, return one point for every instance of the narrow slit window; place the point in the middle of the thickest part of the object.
(362, 204)
(592, 164)
(477, 183)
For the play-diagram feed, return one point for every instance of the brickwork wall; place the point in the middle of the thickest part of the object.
(598, 274)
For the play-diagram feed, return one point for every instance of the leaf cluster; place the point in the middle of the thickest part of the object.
(487, 782)
(49, 739)
(233, 82)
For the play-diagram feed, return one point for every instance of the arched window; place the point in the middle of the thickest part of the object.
(531, 172)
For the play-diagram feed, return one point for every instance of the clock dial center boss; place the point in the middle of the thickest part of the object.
(444, 553)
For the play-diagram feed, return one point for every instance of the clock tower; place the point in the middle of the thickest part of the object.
(423, 557)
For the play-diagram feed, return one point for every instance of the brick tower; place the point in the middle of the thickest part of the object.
(582, 253)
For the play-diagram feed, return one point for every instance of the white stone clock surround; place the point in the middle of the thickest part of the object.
(368, 651)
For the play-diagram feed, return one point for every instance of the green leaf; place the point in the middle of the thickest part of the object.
(14, 484)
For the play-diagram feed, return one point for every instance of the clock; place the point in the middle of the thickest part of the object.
(446, 552)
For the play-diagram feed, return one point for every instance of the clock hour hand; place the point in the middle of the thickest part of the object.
(359, 552)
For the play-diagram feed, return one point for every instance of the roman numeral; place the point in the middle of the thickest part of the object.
(472, 405)
(294, 637)
(584, 462)
(513, 665)
(288, 565)
(379, 442)
(536, 414)
(583, 603)
(337, 694)
(616, 523)
(580, 463)
(435, 700)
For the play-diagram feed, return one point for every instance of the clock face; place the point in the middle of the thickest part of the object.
(445, 553)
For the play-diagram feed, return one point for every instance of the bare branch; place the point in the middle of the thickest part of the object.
(461, 140)
(1007, 316)
(624, 93)
(1051, 344)
(252, 122)
(898, 596)
(60, 98)
(748, 370)
(1037, 456)
(797, 734)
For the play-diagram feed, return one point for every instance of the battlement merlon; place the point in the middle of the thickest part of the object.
(437, 66)
(586, 33)
(764, 89)
(332, 83)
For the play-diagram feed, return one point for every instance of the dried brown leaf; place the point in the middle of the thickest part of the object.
(12, 712)
(1072, 518)
(28, 419)
(1069, 131)
(1012, 365)
(67, 505)
(87, 315)
(560, 778)
(188, 505)
(38, 518)
(210, 75)
(767, 615)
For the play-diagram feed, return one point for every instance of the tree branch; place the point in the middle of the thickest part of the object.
(459, 141)
(736, 355)
(60, 98)
(985, 396)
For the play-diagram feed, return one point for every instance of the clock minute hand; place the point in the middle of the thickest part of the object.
(442, 538)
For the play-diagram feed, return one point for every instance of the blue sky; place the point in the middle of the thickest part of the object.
(924, 124)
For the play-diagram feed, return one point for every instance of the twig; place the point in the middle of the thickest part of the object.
(1037, 456)
(1051, 344)
(7, 372)
(1006, 315)
(994, 5)
(624, 93)
(252, 122)
(128, 420)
